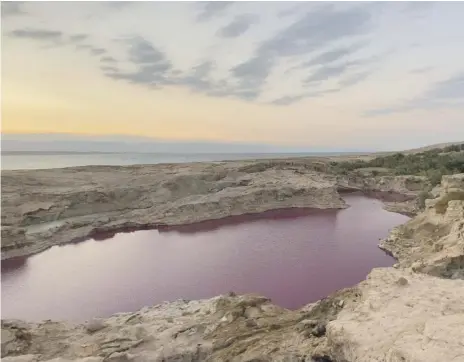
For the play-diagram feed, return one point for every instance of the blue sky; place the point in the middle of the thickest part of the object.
(346, 74)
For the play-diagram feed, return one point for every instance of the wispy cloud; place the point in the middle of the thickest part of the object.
(311, 32)
(238, 26)
(152, 64)
(445, 94)
(37, 34)
(210, 9)
(354, 79)
(333, 55)
(323, 45)
(421, 70)
(12, 8)
(107, 59)
(77, 38)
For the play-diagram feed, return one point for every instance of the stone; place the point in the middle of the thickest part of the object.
(319, 330)
(195, 336)
(94, 325)
(69, 207)
(420, 323)
(433, 241)
(413, 312)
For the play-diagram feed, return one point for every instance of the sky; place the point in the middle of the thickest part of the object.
(346, 75)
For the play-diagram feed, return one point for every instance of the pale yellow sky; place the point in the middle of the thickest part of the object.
(52, 85)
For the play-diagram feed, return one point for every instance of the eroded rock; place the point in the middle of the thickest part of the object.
(224, 328)
(42, 208)
(390, 323)
(433, 242)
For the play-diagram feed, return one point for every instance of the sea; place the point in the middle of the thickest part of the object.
(20, 160)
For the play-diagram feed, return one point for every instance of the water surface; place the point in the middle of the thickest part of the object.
(38, 160)
(292, 256)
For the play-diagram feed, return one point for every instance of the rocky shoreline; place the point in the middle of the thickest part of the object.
(42, 208)
(411, 312)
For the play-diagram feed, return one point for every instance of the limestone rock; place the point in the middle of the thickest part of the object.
(42, 208)
(433, 242)
(224, 328)
(390, 323)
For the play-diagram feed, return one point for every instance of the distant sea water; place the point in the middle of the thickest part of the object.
(44, 160)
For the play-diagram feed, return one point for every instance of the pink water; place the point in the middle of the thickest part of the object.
(292, 256)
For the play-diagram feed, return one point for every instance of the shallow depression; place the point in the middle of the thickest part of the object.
(292, 256)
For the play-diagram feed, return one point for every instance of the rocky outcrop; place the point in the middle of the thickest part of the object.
(224, 328)
(399, 193)
(391, 188)
(413, 312)
(400, 316)
(42, 208)
(433, 242)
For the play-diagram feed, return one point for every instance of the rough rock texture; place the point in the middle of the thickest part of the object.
(413, 312)
(225, 328)
(399, 193)
(433, 241)
(401, 316)
(42, 208)
(400, 187)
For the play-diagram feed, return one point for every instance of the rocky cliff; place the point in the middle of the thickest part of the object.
(433, 242)
(411, 313)
(42, 208)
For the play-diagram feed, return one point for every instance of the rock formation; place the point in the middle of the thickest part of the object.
(224, 328)
(433, 242)
(401, 316)
(42, 208)
(413, 312)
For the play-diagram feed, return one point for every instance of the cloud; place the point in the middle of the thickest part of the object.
(450, 89)
(414, 6)
(445, 94)
(198, 79)
(12, 8)
(56, 38)
(238, 26)
(97, 51)
(203, 70)
(210, 9)
(152, 64)
(288, 100)
(76, 38)
(333, 55)
(142, 51)
(324, 73)
(107, 59)
(252, 75)
(421, 70)
(36, 34)
(354, 79)
(109, 68)
(92, 50)
(314, 30)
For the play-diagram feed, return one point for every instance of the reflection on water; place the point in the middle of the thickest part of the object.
(292, 256)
